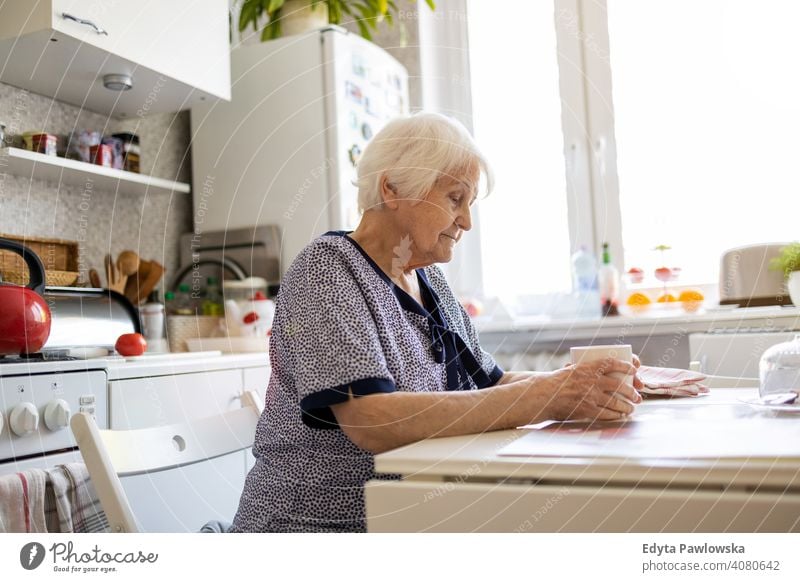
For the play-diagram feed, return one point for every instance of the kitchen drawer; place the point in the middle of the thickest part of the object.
(257, 379)
(154, 401)
(177, 52)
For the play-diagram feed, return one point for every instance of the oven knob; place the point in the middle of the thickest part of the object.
(24, 419)
(56, 415)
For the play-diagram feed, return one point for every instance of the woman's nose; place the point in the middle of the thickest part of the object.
(464, 218)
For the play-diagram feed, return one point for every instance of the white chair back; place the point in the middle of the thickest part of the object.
(111, 454)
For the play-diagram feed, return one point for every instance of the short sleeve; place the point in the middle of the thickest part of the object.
(326, 341)
(459, 319)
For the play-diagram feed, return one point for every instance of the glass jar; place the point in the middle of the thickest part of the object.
(244, 290)
(779, 369)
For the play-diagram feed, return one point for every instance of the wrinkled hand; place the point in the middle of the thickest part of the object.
(586, 391)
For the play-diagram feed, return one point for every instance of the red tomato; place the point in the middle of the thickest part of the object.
(251, 317)
(131, 344)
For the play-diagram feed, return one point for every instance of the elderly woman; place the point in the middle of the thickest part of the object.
(370, 349)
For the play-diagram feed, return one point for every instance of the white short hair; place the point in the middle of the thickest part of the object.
(415, 151)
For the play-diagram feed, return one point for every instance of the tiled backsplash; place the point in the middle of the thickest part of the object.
(101, 221)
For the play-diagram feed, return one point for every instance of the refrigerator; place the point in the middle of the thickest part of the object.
(284, 150)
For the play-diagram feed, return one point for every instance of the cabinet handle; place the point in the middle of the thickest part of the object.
(97, 29)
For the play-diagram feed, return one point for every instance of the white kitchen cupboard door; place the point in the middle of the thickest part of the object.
(177, 52)
(159, 400)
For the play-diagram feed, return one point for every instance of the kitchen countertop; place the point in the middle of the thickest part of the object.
(119, 368)
(181, 363)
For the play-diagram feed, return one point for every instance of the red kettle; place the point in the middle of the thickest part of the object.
(24, 315)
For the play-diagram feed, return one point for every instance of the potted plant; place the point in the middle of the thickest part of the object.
(294, 16)
(789, 263)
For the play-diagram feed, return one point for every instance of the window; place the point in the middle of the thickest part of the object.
(706, 121)
(679, 118)
(516, 113)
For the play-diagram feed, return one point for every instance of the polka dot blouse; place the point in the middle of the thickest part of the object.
(341, 325)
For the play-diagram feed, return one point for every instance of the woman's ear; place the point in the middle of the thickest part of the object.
(388, 193)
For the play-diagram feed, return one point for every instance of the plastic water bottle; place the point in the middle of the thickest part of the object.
(584, 283)
(584, 271)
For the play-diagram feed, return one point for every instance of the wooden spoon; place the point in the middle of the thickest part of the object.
(94, 279)
(135, 282)
(152, 279)
(127, 265)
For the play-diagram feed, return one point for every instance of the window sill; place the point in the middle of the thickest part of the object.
(649, 323)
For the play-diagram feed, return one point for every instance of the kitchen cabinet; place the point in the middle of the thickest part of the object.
(177, 52)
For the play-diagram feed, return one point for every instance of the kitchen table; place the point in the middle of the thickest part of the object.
(745, 476)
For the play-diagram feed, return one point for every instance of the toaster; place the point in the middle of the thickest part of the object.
(745, 278)
(88, 318)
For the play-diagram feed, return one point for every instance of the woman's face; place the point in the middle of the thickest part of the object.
(437, 222)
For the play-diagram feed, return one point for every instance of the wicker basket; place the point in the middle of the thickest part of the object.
(59, 257)
(183, 327)
(52, 278)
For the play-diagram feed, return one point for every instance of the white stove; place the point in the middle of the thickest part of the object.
(37, 399)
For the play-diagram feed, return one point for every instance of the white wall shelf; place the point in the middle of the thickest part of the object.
(36, 166)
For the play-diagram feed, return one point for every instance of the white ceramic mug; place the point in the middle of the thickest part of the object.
(584, 354)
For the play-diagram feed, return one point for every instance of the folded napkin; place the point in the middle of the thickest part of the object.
(671, 381)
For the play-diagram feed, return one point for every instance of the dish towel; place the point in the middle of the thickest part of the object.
(671, 381)
(76, 503)
(22, 502)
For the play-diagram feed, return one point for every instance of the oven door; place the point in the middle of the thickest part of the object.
(43, 462)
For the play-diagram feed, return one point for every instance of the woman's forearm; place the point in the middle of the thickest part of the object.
(380, 422)
(509, 377)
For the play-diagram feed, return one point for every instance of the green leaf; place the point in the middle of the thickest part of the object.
(273, 29)
(364, 30)
(368, 17)
(334, 12)
(273, 6)
(788, 261)
(246, 15)
(431, 4)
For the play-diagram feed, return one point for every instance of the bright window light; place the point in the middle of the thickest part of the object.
(517, 123)
(707, 114)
